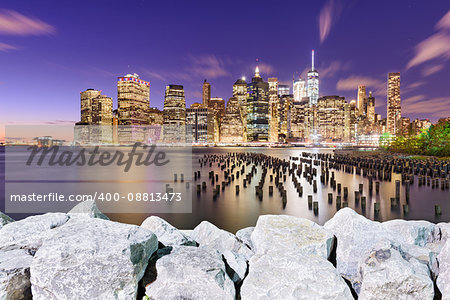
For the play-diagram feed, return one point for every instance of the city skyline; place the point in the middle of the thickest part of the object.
(42, 51)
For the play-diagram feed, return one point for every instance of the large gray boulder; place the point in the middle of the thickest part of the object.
(389, 273)
(30, 233)
(87, 209)
(296, 275)
(191, 273)
(357, 237)
(443, 279)
(280, 234)
(90, 258)
(209, 236)
(245, 235)
(166, 233)
(4, 219)
(15, 274)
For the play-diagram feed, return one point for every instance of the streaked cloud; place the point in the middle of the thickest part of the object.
(434, 107)
(14, 23)
(7, 47)
(377, 86)
(413, 99)
(332, 69)
(435, 46)
(413, 86)
(328, 16)
(430, 70)
(208, 66)
(265, 68)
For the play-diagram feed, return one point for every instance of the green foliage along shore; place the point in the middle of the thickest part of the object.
(434, 141)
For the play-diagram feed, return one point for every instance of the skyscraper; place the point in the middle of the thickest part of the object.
(362, 100)
(313, 83)
(394, 116)
(257, 109)
(371, 108)
(231, 127)
(274, 107)
(240, 93)
(283, 89)
(206, 93)
(174, 113)
(86, 104)
(299, 89)
(133, 100)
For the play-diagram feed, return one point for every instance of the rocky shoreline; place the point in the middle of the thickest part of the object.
(83, 255)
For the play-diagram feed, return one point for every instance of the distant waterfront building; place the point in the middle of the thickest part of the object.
(362, 100)
(313, 83)
(331, 118)
(206, 93)
(240, 93)
(405, 126)
(200, 120)
(274, 107)
(393, 104)
(218, 106)
(299, 89)
(419, 125)
(231, 127)
(283, 89)
(174, 113)
(301, 121)
(371, 108)
(257, 109)
(155, 116)
(133, 100)
(284, 117)
(96, 109)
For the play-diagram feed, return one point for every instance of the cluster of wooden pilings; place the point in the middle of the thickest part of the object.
(376, 169)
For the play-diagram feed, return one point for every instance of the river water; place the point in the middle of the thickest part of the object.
(233, 212)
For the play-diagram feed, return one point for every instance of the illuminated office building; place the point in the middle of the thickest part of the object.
(86, 104)
(155, 116)
(218, 107)
(331, 118)
(394, 115)
(362, 100)
(257, 109)
(274, 107)
(240, 93)
(133, 99)
(284, 117)
(231, 127)
(299, 90)
(206, 93)
(200, 120)
(174, 113)
(313, 83)
(283, 89)
(371, 108)
(301, 119)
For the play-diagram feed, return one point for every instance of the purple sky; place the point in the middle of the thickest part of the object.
(52, 50)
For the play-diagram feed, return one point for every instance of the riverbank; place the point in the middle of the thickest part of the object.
(84, 255)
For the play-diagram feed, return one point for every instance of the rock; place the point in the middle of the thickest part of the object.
(245, 235)
(357, 236)
(30, 233)
(278, 234)
(87, 209)
(191, 273)
(4, 219)
(238, 264)
(90, 258)
(209, 236)
(166, 233)
(389, 273)
(15, 274)
(443, 279)
(293, 276)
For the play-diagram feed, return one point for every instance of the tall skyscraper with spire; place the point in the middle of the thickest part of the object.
(257, 109)
(313, 83)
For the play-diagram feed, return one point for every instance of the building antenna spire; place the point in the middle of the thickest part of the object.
(312, 60)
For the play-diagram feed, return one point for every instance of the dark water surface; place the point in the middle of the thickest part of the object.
(232, 212)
